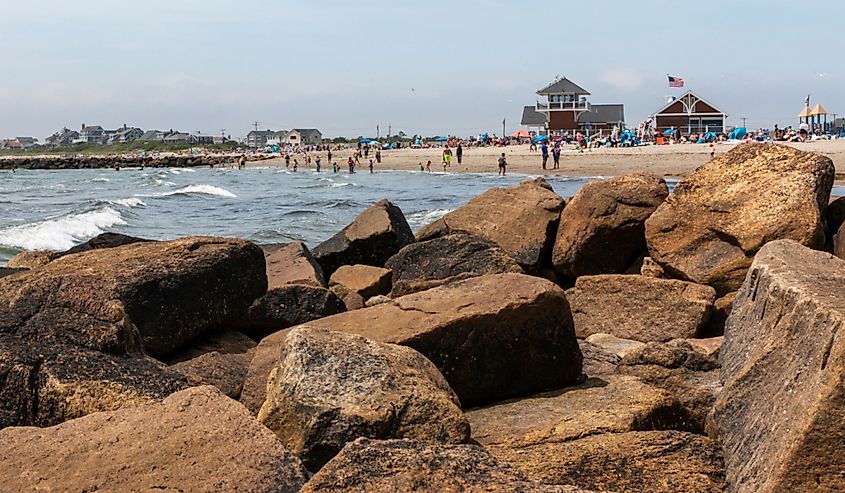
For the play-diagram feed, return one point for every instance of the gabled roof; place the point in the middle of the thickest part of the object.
(804, 113)
(670, 103)
(532, 118)
(308, 131)
(93, 128)
(818, 110)
(603, 113)
(563, 86)
(262, 133)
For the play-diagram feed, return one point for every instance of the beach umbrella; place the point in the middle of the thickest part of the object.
(440, 139)
(669, 131)
(521, 134)
(541, 138)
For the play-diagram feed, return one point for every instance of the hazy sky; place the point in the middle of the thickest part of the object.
(430, 67)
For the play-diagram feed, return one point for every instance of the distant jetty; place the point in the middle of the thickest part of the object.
(124, 161)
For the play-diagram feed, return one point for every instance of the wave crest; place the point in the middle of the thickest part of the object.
(61, 233)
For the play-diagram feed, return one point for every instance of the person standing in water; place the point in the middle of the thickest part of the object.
(351, 165)
(428, 166)
(503, 164)
(295, 165)
(317, 162)
(421, 167)
(334, 167)
(371, 166)
(287, 160)
(242, 162)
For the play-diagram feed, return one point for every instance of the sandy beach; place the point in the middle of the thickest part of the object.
(667, 160)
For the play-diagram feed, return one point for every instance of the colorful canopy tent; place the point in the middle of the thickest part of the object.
(738, 133)
(521, 134)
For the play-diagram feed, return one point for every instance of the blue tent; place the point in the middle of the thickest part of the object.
(669, 131)
(365, 141)
(738, 133)
(440, 139)
(541, 138)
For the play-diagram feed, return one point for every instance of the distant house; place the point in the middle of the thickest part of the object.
(219, 139)
(567, 108)
(27, 142)
(178, 138)
(63, 137)
(278, 138)
(91, 134)
(690, 114)
(258, 138)
(201, 139)
(124, 135)
(304, 136)
(153, 136)
(11, 144)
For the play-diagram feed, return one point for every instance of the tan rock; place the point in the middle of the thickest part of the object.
(372, 238)
(520, 219)
(364, 280)
(196, 440)
(639, 308)
(293, 264)
(492, 336)
(709, 346)
(597, 361)
(370, 466)
(779, 417)
(618, 346)
(632, 462)
(330, 388)
(602, 228)
(689, 375)
(651, 268)
(715, 220)
(31, 260)
(610, 404)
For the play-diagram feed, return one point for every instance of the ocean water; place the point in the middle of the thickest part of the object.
(56, 210)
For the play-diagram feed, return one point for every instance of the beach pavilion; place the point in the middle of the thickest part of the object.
(690, 114)
(567, 109)
(816, 115)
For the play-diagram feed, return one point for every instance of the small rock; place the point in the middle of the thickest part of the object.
(377, 300)
(293, 264)
(651, 268)
(364, 280)
(619, 347)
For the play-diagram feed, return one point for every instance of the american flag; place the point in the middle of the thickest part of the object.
(676, 81)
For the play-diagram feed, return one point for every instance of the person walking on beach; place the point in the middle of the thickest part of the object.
(447, 158)
(556, 156)
(351, 165)
(378, 155)
(287, 160)
(329, 158)
(459, 153)
(544, 150)
(503, 164)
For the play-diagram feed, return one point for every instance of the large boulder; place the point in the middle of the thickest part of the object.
(220, 358)
(780, 414)
(428, 264)
(43, 384)
(602, 229)
(372, 238)
(715, 220)
(639, 307)
(522, 220)
(165, 292)
(290, 305)
(364, 280)
(292, 264)
(492, 337)
(632, 462)
(371, 466)
(330, 388)
(610, 404)
(195, 440)
(683, 371)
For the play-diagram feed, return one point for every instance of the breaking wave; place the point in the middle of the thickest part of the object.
(61, 233)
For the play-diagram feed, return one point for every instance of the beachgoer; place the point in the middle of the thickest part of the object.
(334, 167)
(503, 164)
(459, 153)
(242, 162)
(428, 166)
(544, 149)
(295, 164)
(351, 165)
(378, 156)
(421, 166)
(287, 160)
(712, 151)
(330, 154)
(556, 156)
(317, 162)
(447, 158)
(371, 166)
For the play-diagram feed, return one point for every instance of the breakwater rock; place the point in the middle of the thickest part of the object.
(123, 161)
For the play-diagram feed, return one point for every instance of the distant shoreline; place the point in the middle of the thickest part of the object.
(675, 161)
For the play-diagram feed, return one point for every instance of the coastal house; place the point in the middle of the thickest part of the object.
(153, 136)
(124, 135)
(304, 136)
(11, 144)
(258, 138)
(27, 142)
(63, 137)
(178, 138)
(567, 109)
(278, 138)
(691, 115)
(201, 139)
(91, 134)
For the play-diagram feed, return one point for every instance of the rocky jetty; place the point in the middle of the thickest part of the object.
(630, 341)
(123, 161)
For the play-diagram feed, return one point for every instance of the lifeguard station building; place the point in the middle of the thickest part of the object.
(567, 108)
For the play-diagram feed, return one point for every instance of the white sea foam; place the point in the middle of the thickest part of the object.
(100, 179)
(130, 202)
(425, 217)
(61, 233)
(195, 190)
